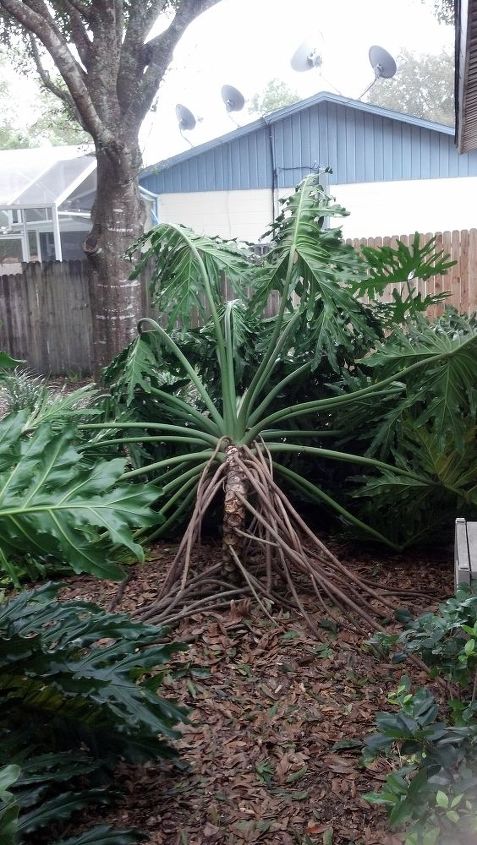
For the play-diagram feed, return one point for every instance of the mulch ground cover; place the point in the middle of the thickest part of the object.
(277, 717)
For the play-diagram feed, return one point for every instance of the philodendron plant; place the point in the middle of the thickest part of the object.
(222, 405)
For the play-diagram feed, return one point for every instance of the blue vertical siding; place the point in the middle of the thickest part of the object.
(358, 142)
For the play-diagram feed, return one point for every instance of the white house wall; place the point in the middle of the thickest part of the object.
(400, 208)
(377, 208)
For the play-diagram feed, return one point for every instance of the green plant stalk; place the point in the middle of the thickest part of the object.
(228, 410)
(176, 474)
(187, 367)
(159, 532)
(187, 410)
(257, 381)
(180, 479)
(263, 373)
(316, 493)
(276, 390)
(228, 376)
(164, 438)
(205, 453)
(191, 482)
(327, 404)
(169, 427)
(272, 433)
(346, 457)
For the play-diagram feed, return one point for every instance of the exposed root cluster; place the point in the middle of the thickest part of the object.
(268, 548)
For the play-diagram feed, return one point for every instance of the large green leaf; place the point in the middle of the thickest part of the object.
(179, 258)
(79, 690)
(52, 505)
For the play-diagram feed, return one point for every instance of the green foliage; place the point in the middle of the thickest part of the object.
(20, 390)
(275, 95)
(429, 427)
(282, 380)
(79, 692)
(52, 506)
(432, 792)
(397, 266)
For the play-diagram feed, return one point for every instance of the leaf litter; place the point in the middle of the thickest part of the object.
(272, 750)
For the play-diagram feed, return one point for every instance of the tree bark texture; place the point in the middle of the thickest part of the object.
(117, 217)
(236, 486)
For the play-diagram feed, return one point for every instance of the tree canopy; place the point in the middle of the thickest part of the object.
(275, 95)
(423, 86)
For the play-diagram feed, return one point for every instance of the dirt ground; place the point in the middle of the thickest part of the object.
(277, 716)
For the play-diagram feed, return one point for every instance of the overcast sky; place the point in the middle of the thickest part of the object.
(248, 42)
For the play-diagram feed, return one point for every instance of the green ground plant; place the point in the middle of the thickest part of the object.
(432, 790)
(219, 412)
(54, 507)
(79, 691)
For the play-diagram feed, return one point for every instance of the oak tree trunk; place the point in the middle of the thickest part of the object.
(118, 218)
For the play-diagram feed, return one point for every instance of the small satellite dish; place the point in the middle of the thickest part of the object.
(233, 98)
(382, 62)
(186, 121)
(383, 65)
(185, 118)
(306, 57)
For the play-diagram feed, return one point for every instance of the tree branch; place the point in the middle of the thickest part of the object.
(47, 82)
(82, 8)
(39, 22)
(158, 54)
(133, 57)
(78, 31)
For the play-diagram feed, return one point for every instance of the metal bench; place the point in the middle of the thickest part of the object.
(465, 553)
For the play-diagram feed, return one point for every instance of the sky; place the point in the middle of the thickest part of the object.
(246, 43)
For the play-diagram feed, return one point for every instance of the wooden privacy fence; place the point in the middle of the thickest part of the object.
(46, 313)
(46, 317)
(460, 280)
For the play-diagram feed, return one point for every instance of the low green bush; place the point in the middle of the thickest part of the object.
(78, 692)
(433, 788)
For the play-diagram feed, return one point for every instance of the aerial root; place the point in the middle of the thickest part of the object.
(275, 546)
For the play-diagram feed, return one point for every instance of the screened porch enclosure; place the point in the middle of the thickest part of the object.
(45, 203)
(46, 196)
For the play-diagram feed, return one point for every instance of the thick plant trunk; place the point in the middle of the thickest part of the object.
(117, 216)
(236, 485)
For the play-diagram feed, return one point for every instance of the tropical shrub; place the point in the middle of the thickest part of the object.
(430, 429)
(432, 791)
(55, 507)
(79, 692)
(221, 408)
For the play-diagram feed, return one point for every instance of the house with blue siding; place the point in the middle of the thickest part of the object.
(395, 173)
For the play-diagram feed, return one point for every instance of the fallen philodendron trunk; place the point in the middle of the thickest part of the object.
(266, 546)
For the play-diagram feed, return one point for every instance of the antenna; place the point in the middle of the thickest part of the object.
(308, 56)
(185, 120)
(383, 65)
(233, 100)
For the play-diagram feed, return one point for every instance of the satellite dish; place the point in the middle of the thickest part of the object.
(186, 121)
(383, 65)
(306, 57)
(382, 62)
(233, 98)
(185, 118)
